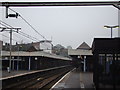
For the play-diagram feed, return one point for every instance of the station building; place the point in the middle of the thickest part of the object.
(82, 56)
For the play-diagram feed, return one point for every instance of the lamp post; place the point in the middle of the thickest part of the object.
(111, 27)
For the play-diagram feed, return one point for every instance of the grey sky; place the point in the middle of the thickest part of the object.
(66, 25)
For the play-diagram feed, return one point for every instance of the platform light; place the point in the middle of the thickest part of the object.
(111, 27)
(36, 58)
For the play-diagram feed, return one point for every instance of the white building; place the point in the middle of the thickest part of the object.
(46, 46)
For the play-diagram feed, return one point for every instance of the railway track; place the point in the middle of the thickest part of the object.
(40, 81)
(47, 80)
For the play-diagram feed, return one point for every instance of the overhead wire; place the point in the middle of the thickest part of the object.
(21, 33)
(8, 37)
(29, 36)
(5, 35)
(30, 25)
(8, 25)
(26, 35)
(5, 24)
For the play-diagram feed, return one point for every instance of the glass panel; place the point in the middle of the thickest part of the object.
(102, 63)
(105, 62)
(109, 61)
(118, 56)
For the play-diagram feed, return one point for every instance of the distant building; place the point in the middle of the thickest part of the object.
(21, 47)
(83, 56)
(69, 47)
(84, 46)
(60, 50)
(83, 49)
(46, 46)
(36, 45)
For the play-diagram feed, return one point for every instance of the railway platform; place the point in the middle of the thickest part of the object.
(75, 80)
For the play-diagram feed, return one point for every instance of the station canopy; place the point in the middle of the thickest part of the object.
(83, 49)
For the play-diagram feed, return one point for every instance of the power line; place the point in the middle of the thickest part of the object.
(27, 36)
(28, 23)
(6, 27)
(8, 37)
(20, 32)
(6, 24)
(3, 25)
(30, 36)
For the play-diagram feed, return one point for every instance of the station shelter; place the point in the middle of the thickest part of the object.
(106, 53)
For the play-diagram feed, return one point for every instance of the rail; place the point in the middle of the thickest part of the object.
(31, 78)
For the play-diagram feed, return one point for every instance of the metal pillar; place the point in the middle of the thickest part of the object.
(18, 64)
(13, 64)
(10, 48)
(29, 63)
(84, 63)
(111, 32)
(18, 61)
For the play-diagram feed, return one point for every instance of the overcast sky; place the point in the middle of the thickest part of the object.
(66, 25)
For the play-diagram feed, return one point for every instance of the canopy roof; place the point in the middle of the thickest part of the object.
(84, 46)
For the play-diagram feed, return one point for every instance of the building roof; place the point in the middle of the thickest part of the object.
(36, 53)
(106, 45)
(23, 47)
(84, 46)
